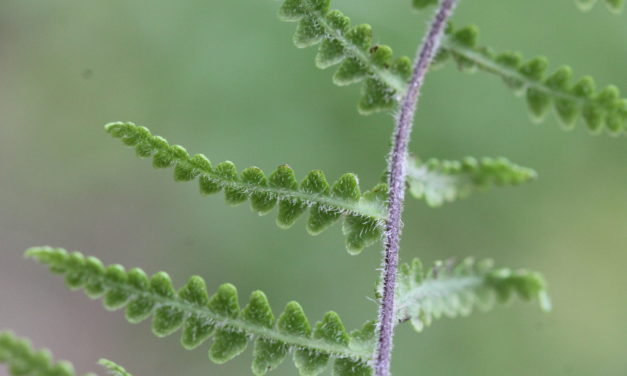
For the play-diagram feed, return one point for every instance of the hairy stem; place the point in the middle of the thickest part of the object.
(396, 167)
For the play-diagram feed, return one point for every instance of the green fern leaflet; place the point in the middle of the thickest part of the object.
(23, 360)
(438, 181)
(604, 109)
(455, 289)
(363, 214)
(218, 316)
(351, 47)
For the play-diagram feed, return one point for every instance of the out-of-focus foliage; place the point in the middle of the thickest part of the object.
(23, 360)
(438, 181)
(455, 289)
(113, 368)
(615, 6)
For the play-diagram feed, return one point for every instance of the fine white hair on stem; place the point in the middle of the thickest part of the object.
(397, 175)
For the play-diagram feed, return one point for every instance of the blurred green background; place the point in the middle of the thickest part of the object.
(223, 78)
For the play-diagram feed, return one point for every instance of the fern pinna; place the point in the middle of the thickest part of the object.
(362, 213)
(22, 359)
(200, 317)
(439, 181)
(351, 47)
(604, 109)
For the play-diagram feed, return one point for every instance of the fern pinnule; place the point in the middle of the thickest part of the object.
(455, 289)
(439, 181)
(616, 6)
(604, 109)
(363, 213)
(218, 316)
(23, 360)
(385, 78)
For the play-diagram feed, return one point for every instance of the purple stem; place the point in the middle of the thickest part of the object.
(398, 156)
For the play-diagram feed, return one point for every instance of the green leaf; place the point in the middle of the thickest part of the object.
(602, 110)
(353, 49)
(326, 205)
(220, 317)
(22, 359)
(455, 289)
(438, 181)
(113, 369)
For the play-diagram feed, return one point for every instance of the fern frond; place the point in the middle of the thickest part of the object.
(218, 316)
(616, 6)
(385, 78)
(455, 289)
(363, 214)
(23, 360)
(438, 181)
(604, 109)
(112, 368)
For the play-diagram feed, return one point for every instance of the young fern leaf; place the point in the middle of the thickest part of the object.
(604, 109)
(438, 181)
(363, 214)
(616, 6)
(455, 289)
(218, 316)
(385, 78)
(22, 360)
(113, 369)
